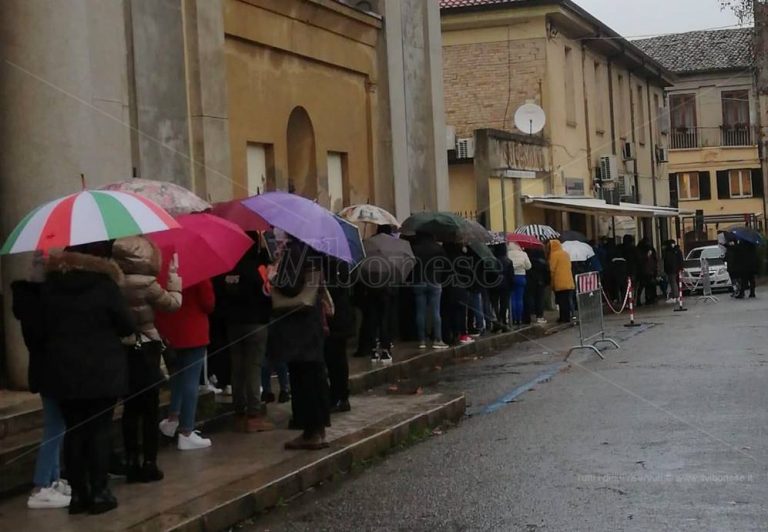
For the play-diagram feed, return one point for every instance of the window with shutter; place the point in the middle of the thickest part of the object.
(723, 185)
(673, 190)
(757, 183)
(740, 182)
(688, 186)
(705, 187)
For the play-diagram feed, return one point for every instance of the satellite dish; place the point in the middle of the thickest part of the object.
(530, 118)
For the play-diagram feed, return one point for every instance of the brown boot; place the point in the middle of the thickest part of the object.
(259, 423)
(240, 423)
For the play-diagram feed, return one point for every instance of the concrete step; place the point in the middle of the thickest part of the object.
(243, 474)
(18, 448)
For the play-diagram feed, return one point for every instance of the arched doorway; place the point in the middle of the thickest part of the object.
(302, 163)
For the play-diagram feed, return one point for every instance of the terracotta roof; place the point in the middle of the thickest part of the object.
(701, 51)
(452, 4)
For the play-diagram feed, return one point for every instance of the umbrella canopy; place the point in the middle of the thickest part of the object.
(388, 261)
(85, 217)
(542, 232)
(206, 244)
(746, 234)
(444, 226)
(525, 241)
(172, 197)
(565, 236)
(305, 220)
(578, 251)
(477, 232)
(370, 214)
(352, 233)
(240, 215)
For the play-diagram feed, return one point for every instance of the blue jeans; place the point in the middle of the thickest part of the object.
(428, 297)
(517, 298)
(47, 467)
(184, 386)
(282, 376)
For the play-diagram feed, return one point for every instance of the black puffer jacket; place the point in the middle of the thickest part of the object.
(27, 309)
(84, 316)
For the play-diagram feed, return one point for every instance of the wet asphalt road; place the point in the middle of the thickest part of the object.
(668, 433)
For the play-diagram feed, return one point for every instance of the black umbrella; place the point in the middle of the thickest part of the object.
(388, 261)
(444, 226)
(566, 236)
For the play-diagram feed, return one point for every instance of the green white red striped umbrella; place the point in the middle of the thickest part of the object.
(85, 217)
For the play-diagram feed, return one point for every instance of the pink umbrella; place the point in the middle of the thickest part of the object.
(239, 214)
(206, 244)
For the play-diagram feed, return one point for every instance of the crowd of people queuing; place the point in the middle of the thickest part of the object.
(101, 322)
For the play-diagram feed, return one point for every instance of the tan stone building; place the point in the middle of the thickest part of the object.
(602, 96)
(338, 100)
(713, 156)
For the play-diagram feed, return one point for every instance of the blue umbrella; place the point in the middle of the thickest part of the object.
(352, 232)
(746, 234)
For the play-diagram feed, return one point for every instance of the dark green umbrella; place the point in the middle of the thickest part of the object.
(445, 227)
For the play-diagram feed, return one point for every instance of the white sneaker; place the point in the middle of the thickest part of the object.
(440, 345)
(193, 442)
(169, 428)
(541, 321)
(422, 345)
(228, 389)
(671, 300)
(48, 498)
(63, 487)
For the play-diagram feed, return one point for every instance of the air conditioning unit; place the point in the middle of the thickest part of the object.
(609, 168)
(465, 148)
(626, 186)
(661, 154)
(628, 151)
(450, 138)
(664, 121)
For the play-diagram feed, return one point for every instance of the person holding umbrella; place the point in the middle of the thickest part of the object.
(85, 316)
(427, 280)
(520, 265)
(140, 260)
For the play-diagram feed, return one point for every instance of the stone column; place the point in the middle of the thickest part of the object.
(63, 112)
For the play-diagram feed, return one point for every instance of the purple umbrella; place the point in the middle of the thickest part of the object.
(305, 220)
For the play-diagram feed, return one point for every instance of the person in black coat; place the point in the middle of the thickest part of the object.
(299, 333)
(341, 327)
(672, 257)
(84, 318)
(538, 278)
(456, 294)
(747, 266)
(500, 293)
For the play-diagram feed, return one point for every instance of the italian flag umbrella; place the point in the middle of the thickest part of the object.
(85, 217)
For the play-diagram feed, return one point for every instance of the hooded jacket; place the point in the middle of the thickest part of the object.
(84, 315)
(140, 259)
(520, 260)
(560, 267)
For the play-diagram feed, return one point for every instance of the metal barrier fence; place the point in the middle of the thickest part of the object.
(590, 306)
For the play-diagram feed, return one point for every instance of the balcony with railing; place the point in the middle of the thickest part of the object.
(686, 138)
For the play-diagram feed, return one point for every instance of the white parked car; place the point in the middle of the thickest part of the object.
(718, 269)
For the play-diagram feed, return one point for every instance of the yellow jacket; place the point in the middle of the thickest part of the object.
(560, 267)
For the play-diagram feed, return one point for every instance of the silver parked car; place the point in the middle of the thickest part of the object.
(718, 269)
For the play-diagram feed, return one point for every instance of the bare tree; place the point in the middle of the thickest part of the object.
(743, 9)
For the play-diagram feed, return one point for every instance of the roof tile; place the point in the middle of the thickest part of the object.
(701, 51)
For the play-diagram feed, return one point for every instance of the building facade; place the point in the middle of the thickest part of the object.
(340, 101)
(713, 146)
(602, 97)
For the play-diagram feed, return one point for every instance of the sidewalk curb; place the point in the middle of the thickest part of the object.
(427, 361)
(244, 498)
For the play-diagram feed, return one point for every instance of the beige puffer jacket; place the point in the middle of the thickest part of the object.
(140, 260)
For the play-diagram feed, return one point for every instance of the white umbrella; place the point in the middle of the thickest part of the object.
(578, 251)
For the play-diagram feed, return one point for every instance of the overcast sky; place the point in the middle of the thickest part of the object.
(634, 18)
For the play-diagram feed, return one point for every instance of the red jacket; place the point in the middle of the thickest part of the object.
(188, 326)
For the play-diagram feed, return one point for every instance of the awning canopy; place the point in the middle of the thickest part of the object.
(595, 206)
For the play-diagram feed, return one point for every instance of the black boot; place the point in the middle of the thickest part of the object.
(102, 502)
(132, 468)
(80, 501)
(151, 473)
